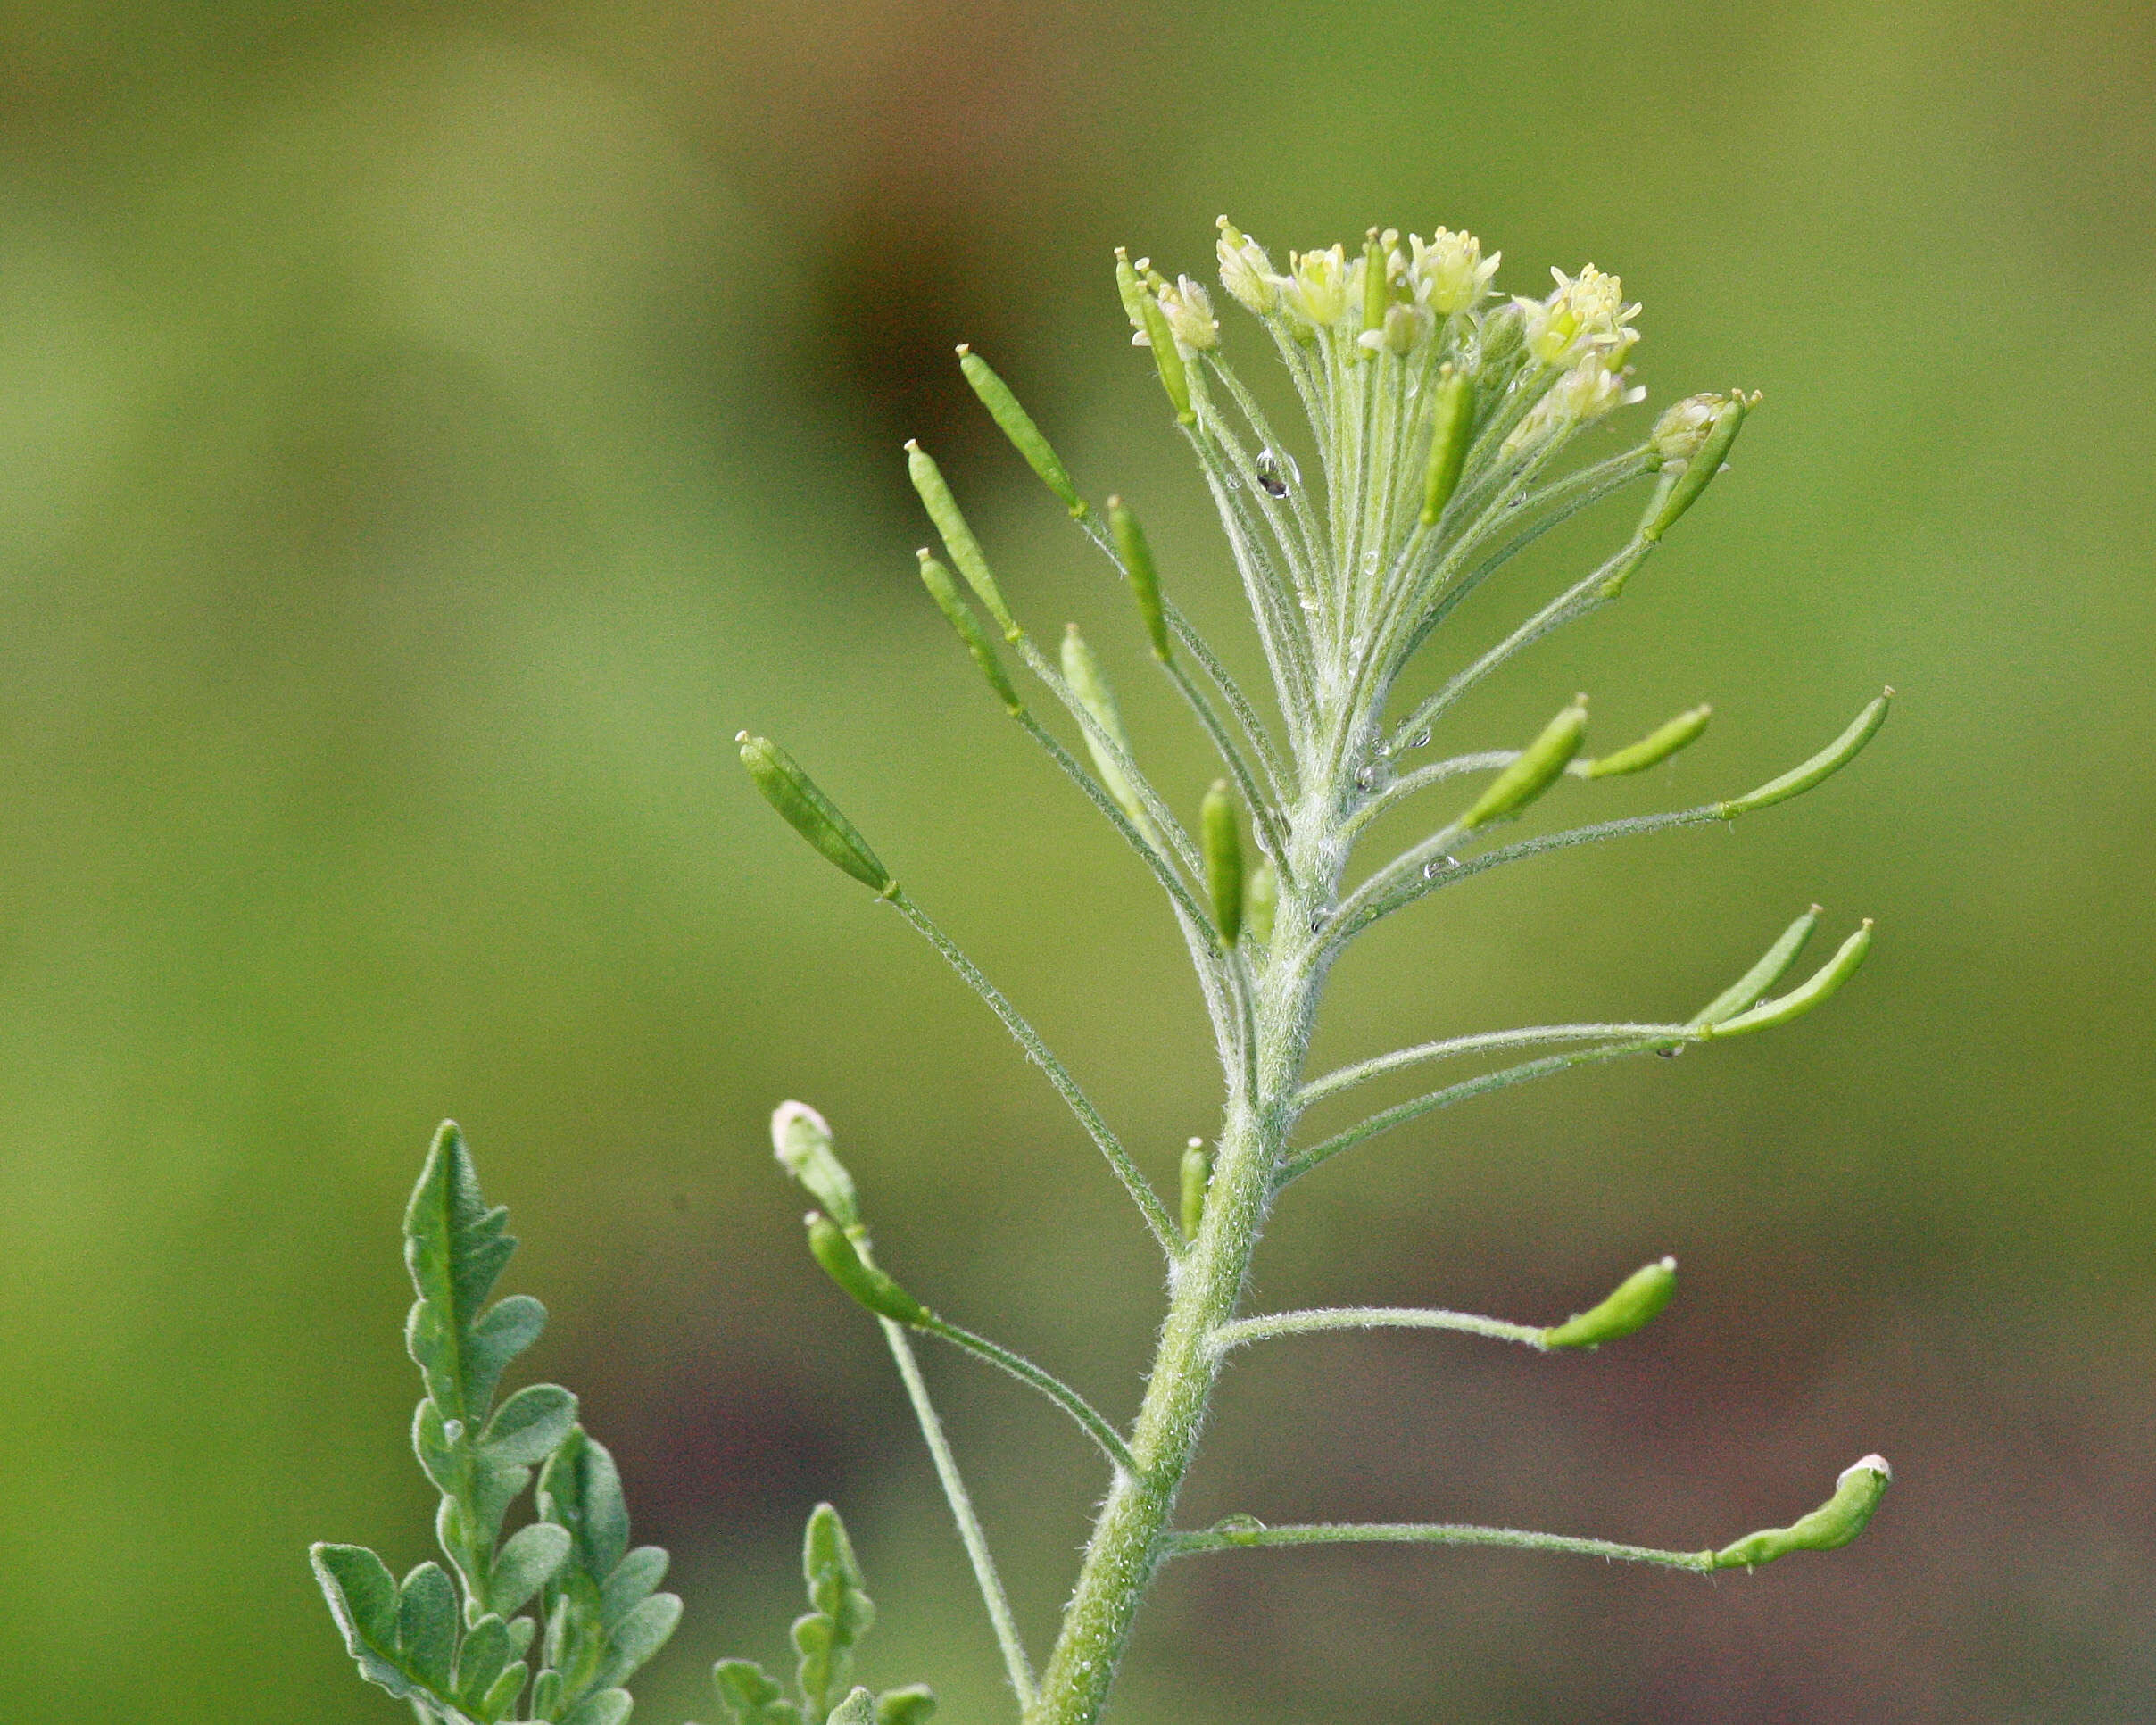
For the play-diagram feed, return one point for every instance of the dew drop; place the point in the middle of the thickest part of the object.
(1234, 483)
(1437, 866)
(1364, 779)
(1423, 741)
(1270, 478)
(1370, 562)
(1671, 1054)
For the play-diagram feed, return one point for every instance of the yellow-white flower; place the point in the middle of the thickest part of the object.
(1247, 273)
(1188, 310)
(1590, 390)
(1449, 273)
(1318, 291)
(1584, 317)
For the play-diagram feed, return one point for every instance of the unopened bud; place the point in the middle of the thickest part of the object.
(832, 1248)
(1532, 772)
(795, 795)
(801, 1140)
(1632, 1305)
(1833, 1524)
(1145, 580)
(1220, 832)
(1245, 272)
(1018, 426)
(1188, 310)
(1131, 289)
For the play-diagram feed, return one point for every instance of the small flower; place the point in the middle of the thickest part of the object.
(1247, 273)
(1681, 431)
(1189, 313)
(1318, 293)
(1449, 273)
(1586, 393)
(1585, 315)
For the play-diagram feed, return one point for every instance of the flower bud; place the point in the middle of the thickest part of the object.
(1247, 273)
(1634, 1304)
(1533, 770)
(1318, 294)
(1655, 747)
(801, 1140)
(944, 590)
(1220, 831)
(1683, 428)
(1145, 580)
(1188, 310)
(957, 536)
(1131, 289)
(1019, 428)
(832, 1248)
(790, 790)
(1833, 1524)
(1452, 420)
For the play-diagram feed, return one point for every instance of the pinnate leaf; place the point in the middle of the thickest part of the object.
(526, 1563)
(529, 1426)
(857, 1709)
(608, 1707)
(911, 1705)
(749, 1696)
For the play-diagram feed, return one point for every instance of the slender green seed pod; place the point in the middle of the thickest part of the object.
(957, 537)
(1749, 989)
(1632, 1305)
(1813, 991)
(1833, 1524)
(794, 793)
(801, 1140)
(832, 1248)
(1167, 358)
(1376, 289)
(1145, 580)
(1261, 901)
(1220, 832)
(1019, 428)
(1197, 1177)
(1452, 427)
(944, 590)
(1821, 766)
(1130, 288)
(1652, 749)
(1082, 672)
(1536, 768)
(1668, 504)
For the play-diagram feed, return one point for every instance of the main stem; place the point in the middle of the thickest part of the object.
(1129, 1537)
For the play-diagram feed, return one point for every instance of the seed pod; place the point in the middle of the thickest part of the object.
(1130, 288)
(1655, 747)
(1833, 1524)
(957, 537)
(1261, 901)
(1018, 426)
(1814, 990)
(1668, 504)
(794, 793)
(801, 1140)
(1821, 766)
(944, 590)
(832, 1248)
(1221, 830)
(1196, 1176)
(1452, 420)
(1376, 290)
(1746, 990)
(1082, 672)
(1167, 358)
(1145, 581)
(1632, 1305)
(1534, 770)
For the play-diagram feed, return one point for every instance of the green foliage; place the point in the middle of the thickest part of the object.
(455, 1647)
(825, 1639)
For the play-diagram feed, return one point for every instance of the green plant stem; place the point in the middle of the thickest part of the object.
(1090, 1421)
(970, 1535)
(1274, 1324)
(1430, 1533)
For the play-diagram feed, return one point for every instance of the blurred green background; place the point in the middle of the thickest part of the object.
(428, 432)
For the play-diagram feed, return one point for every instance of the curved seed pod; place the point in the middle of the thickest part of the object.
(1834, 1523)
(1774, 965)
(1018, 426)
(944, 590)
(1130, 288)
(800, 1139)
(1145, 581)
(1822, 765)
(1668, 504)
(1082, 672)
(1220, 832)
(957, 536)
(1167, 358)
(794, 793)
(1818, 987)
(1261, 901)
(1196, 1176)
(832, 1248)
(1452, 421)
(1632, 1305)
(1536, 768)
(1656, 746)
